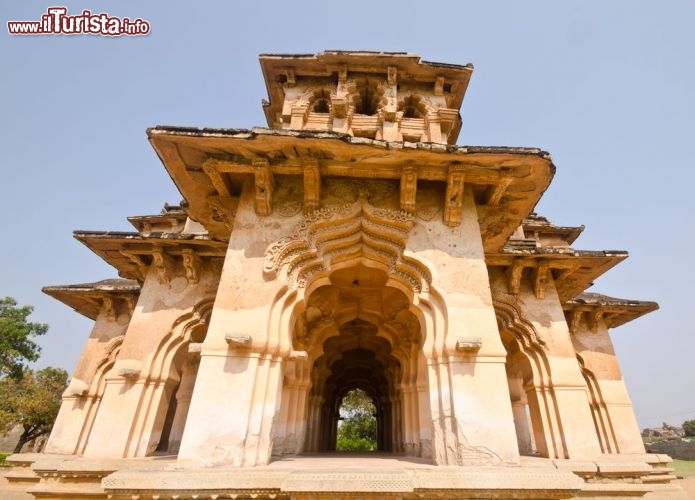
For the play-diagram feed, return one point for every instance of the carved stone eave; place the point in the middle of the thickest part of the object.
(132, 254)
(89, 298)
(573, 271)
(588, 308)
(506, 182)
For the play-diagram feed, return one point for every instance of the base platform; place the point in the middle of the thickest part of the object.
(344, 476)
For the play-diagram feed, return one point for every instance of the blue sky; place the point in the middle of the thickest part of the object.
(607, 87)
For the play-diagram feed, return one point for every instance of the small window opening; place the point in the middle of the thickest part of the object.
(367, 102)
(411, 107)
(321, 106)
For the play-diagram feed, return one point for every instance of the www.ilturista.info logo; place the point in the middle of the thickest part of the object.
(57, 22)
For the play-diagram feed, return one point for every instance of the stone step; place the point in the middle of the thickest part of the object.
(21, 476)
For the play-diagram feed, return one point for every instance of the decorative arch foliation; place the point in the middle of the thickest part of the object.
(352, 233)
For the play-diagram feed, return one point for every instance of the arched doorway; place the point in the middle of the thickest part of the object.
(358, 331)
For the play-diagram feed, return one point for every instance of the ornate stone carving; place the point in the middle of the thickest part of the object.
(327, 235)
(287, 197)
(514, 274)
(163, 265)
(263, 185)
(312, 186)
(509, 316)
(377, 192)
(191, 264)
(220, 211)
(408, 188)
(542, 273)
(453, 200)
(108, 307)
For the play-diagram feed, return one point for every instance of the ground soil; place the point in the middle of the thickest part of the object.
(688, 484)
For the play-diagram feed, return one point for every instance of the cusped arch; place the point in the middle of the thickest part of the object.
(181, 331)
(327, 237)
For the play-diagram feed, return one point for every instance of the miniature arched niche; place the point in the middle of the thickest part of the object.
(171, 374)
(320, 102)
(412, 107)
(367, 95)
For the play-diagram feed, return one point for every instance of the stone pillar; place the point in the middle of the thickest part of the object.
(596, 350)
(574, 433)
(183, 401)
(81, 398)
(468, 393)
(241, 361)
(521, 421)
(138, 388)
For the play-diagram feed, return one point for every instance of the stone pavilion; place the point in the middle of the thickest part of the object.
(351, 244)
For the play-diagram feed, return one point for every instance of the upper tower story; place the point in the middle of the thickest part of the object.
(391, 96)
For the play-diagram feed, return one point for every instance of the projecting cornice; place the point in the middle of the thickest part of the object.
(89, 299)
(573, 271)
(132, 254)
(592, 307)
(209, 167)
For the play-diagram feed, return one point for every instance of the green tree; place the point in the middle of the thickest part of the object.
(358, 429)
(689, 427)
(32, 401)
(16, 343)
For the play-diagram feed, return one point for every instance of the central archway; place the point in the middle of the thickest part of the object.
(358, 332)
(354, 311)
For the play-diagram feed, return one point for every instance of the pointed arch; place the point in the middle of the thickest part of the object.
(164, 371)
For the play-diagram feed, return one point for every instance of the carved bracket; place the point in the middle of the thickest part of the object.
(238, 341)
(77, 388)
(191, 264)
(163, 265)
(453, 202)
(312, 186)
(469, 345)
(541, 279)
(129, 369)
(109, 307)
(408, 188)
(514, 273)
(264, 186)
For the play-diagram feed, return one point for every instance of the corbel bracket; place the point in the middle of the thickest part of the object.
(469, 345)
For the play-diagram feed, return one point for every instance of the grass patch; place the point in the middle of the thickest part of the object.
(683, 468)
(3, 456)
